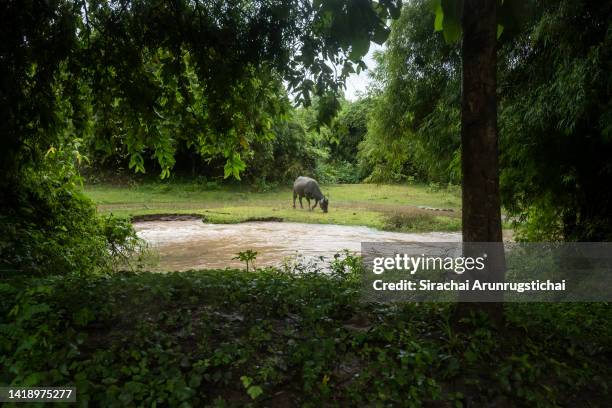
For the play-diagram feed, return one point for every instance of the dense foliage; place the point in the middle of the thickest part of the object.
(413, 131)
(556, 123)
(292, 152)
(138, 80)
(50, 227)
(146, 70)
(555, 116)
(230, 338)
(342, 140)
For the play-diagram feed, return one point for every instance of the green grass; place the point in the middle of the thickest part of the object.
(358, 204)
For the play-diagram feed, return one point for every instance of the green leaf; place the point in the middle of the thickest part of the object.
(83, 316)
(380, 35)
(246, 381)
(195, 381)
(359, 46)
(437, 9)
(233, 166)
(500, 30)
(32, 379)
(254, 391)
(452, 11)
(137, 163)
(448, 18)
(452, 31)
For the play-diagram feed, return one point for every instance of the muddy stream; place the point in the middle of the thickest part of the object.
(192, 244)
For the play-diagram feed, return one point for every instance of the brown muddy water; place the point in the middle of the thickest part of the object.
(192, 244)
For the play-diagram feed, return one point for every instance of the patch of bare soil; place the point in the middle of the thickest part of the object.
(140, 206)
(264, 219)
(168, 217)
(403, 209)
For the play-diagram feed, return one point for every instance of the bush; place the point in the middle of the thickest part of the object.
(290, 154)
(48, 227)
(337, 172)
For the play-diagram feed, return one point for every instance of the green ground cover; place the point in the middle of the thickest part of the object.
(266, 338)
(380, 206)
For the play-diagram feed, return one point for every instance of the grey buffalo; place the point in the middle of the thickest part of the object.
(309, 188)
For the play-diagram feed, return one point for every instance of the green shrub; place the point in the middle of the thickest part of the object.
(337, 172)
(291, 153)
(48, 227)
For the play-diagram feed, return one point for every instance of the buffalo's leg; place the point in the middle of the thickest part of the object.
(294, 197)
(301, 206)
(315, 204)
(308, 200)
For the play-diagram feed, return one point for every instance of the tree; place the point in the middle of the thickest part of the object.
(143, 55)
(556, 123)
(413, 130)
(160, 67)
(481, 203)
(481, 209)
(348, 129)
(479, 142)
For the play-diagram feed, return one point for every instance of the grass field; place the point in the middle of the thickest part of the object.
(391, 207)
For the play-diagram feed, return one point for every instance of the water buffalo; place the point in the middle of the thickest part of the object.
(309, 188)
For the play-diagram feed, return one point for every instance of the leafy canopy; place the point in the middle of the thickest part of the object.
(147, 70)
(510, 14)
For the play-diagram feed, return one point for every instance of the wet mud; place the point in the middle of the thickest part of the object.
(193, 244)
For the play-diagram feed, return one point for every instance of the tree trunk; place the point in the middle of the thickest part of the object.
(479, 146)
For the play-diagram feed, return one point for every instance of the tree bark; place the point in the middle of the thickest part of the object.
(481, 214)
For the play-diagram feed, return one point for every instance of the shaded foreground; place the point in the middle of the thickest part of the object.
(228, 338)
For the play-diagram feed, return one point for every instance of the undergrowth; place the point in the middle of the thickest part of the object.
(271, 338)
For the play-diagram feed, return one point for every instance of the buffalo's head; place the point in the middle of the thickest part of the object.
(324, 204)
